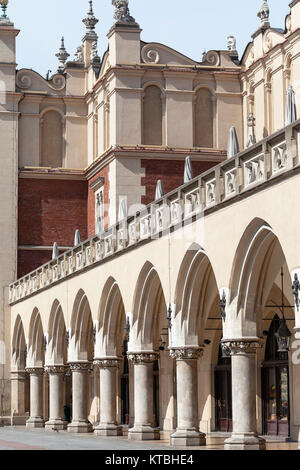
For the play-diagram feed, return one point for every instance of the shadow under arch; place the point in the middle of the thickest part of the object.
(148, 306)
(18, 346)
(195, 295)
(81, 346)
(256, 267)
(57, 347)
(112, 320)
(36, 352)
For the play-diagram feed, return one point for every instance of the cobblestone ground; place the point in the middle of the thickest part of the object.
(20, 438)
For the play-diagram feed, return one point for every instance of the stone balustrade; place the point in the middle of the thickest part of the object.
(248, 171)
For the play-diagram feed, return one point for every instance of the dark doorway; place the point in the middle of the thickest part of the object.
(223, 394)
(275, 387)
(125, 388)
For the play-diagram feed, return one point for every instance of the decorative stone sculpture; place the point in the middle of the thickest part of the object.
(251, 134)
(122, 14)
(264, 14)
(231, 46)
(79, 54)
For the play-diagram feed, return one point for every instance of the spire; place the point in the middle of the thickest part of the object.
(264, 15)
(90, 22)
(122, 13)
(62, 56)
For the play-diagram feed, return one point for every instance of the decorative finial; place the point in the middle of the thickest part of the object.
(90, 22)
(62, 56)
(122, 13)
(4, 20)
(4, 4)
(264, 14)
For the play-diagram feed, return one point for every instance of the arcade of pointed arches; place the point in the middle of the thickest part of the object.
(255, 283)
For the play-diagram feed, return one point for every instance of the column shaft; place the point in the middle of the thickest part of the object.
(243, 365)
(143, 397)
(56, 421)
(187, 432)
(80, 423)
(36, 398)
(108, 396)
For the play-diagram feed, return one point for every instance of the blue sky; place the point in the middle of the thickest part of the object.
(188, 26)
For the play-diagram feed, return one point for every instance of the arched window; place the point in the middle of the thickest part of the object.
(52, 140)
(152, 116)
(203, 119)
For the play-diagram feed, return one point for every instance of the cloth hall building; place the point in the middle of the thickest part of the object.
(176, 307)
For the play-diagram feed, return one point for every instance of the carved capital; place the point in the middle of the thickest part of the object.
(55, 369)
(107, 363)
(184, 353)
(236, 347)
(78, 366)
(142, 357)
(35, 370)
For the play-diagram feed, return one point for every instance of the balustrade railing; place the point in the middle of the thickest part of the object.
(264, 161)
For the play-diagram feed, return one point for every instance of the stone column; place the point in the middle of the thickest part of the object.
(18, 379)
(56, 421)
(36, 419)
(108, 397)
(187, 432)
(243, 365)
(143, 397)
(80, 423)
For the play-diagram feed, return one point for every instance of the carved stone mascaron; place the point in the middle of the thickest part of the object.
(35, 370)
(106, 363)
(242, 346)
(55, 369)
(142, 357)
(78, 366)
(184, 353)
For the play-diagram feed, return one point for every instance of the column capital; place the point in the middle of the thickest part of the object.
(55, 369)
(186, 352)
(105, 363)
(78, 366)
(142, 357)
(35, 370)
(18, 374)
(241, 345)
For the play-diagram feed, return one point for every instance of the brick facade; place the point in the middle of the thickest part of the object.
(171, 172)
(49, 210)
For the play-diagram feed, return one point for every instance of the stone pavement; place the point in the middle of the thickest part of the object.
(20, 438)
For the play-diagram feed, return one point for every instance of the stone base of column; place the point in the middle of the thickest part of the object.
(108, 430)
(245, 441)
(187, 438)
(80, 427)
(56, 425)
(35, 423)
(143, 433)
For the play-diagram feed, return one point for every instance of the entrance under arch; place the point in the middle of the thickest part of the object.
(223, 394)
(275, 387)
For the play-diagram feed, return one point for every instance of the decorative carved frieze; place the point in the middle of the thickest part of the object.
(107, 363)
(142, 357)
(35, 370)
(241, 346)
(185, 353)
(55, 369)
(79, 366)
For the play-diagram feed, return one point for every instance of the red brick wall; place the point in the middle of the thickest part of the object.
(49, 210)
(170, 172)
(91, 201)
(29, 260)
